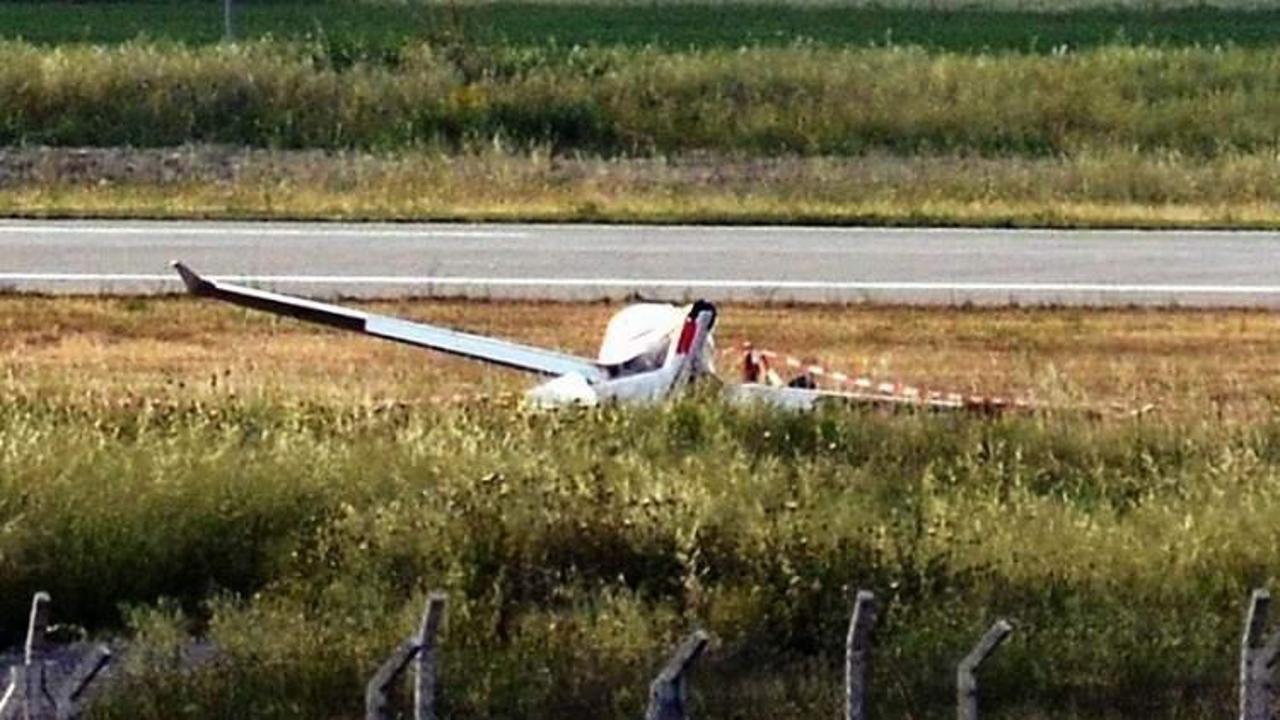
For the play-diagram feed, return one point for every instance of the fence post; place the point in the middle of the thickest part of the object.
(427, 666)
(227, 29)
(857, 655)
(37, 627)
(966, 679)
(28, 694)
(375, 693)
(1257, 660)
(28, 690)
(37, 702)
(15, 677)
(1255, 622)
(668, 694)
(421, 645)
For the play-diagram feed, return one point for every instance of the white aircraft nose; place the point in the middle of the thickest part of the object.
(640, 329)
(571, 389)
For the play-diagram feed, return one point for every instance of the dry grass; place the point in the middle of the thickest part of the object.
(1189, 362)
(1090, 190)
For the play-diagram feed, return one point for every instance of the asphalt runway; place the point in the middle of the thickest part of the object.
(584, 262)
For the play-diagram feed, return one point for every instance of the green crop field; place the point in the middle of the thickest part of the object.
(374, 28)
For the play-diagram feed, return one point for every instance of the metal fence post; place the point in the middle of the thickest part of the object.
(37, 626)
(427, 666)
(421, 645)
(375, 693)
(857, 655)
(668, 695)
(228, 30)
(1257, 660)
(28, 691)
(1255, 621)
(966, 677)
(15, 677)
(37, 702)
(29, 694)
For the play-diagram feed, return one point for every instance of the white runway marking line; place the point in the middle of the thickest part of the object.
(1190, 233)
(483, 230)
(664, 283)
(319, 233)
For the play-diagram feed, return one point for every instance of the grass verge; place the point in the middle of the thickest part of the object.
(169, 348)
(1119, 189)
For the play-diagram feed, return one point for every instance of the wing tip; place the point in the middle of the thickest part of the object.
(196, 285)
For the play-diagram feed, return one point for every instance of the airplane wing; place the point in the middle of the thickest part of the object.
(477, 347)
(808, 398)
(793, 398)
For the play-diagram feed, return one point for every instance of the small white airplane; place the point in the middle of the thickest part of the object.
(650, 351)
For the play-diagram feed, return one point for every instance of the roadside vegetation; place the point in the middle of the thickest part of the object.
(169, 449)
(1106, 189)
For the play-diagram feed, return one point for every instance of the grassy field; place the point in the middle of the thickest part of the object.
(172, 348)
(758, 102)
(293, 492)
(382, 28)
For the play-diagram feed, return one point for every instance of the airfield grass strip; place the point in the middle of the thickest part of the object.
(218, 203)
(1187, 362)
(765, 101)
(1118, 189)
(168, 472)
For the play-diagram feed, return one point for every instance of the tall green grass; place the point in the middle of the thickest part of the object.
(577, 546)
(805, 100)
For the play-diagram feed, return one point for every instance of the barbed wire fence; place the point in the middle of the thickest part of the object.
(41, 687)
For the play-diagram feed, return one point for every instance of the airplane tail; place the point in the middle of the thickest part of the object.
(196, 285)
(690, 354)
